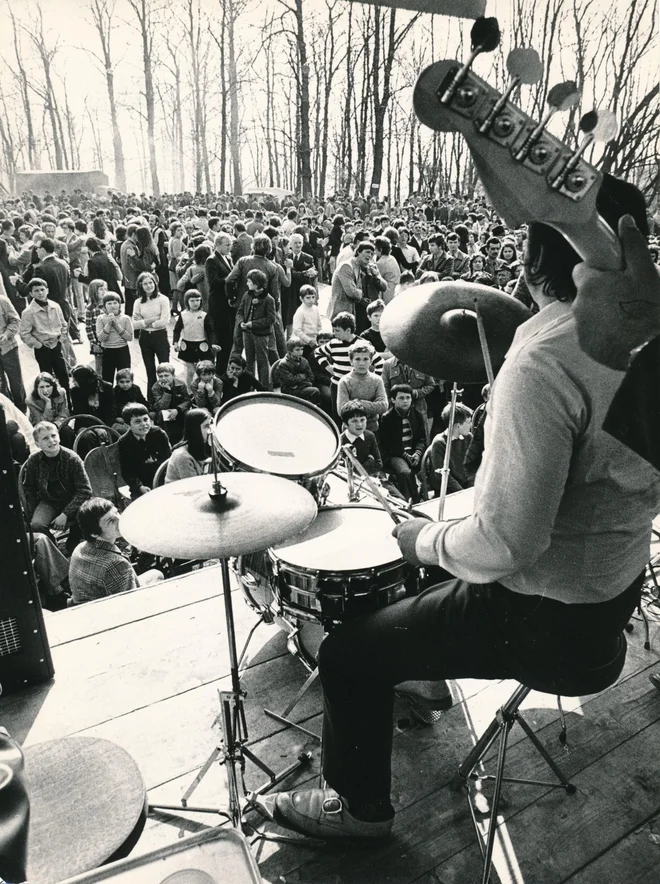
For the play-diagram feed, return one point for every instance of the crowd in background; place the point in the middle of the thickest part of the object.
(232, 288)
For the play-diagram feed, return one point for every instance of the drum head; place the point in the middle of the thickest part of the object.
(277, 434)
(343, 539)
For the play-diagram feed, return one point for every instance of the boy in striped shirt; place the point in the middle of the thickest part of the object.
(333, 357)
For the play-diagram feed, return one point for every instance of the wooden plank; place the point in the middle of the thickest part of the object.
(130, 607)
(636, 858)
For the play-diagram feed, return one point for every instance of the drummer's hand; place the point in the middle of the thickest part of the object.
(406, 534)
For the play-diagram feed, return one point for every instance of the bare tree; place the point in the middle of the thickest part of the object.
(21, 74)
(144, 14)
(102, 15)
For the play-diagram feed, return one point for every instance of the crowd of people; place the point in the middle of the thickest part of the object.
(231, 288)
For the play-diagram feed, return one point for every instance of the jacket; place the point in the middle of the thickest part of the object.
(259, 311)
(391, 433)
(8, 325)
(395, 372)
(70, 473)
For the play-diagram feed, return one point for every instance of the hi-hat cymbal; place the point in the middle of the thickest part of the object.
(433, 328)
(181, 521)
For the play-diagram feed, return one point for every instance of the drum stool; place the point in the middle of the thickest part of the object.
(590, 681)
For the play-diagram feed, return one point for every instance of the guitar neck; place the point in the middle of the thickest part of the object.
(595, 242)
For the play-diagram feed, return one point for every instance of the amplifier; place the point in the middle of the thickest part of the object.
(24, 652)
(218, 856)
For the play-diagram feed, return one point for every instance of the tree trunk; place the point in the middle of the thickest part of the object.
(234, 120)
(304, 146)
(33, 154)
(102, 19)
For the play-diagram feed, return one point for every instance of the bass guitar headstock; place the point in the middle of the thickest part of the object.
(529, 174)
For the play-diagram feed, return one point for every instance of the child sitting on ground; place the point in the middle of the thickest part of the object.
(307, 320)
(362, 441)
(459, 477)
(206, 387)
(141, 450)
(255, 318)
(125, 391)
(238, 380)
(292, 374)
(402, 439)
(169, 400)
(192, 334)
(361, 386)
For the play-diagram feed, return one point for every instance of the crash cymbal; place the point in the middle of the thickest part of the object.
(433, 328)
(181, 521)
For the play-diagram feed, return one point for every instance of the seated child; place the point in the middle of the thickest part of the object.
(169, 400)
(125, 391)
(192, 334)
(141, 450)
(362, 440)
(238, 380)
(361, 386)
(402, 439)
(307, 320)
(372, 334)
(293, 375)
(459, 478)
(206, 387)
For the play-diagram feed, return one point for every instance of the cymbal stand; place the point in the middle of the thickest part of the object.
(232, 750)
(445, 469)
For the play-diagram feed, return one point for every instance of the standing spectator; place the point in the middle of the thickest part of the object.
(114, 331)
(192, 334)
(75, 243)
(141, 450)
(175, 250)
(402, 441)
(161, 242)
(195, 276)
(236, 281)
(242, 245)
(361, 386)
(303, 272)
(335, 240)
(132, 265)
(407, 256)
(47, 401)
(255, 319)
(97, 291)
(221, 309)
(388, 267)
(151, 315)
(101, 265)
(372, 334)
(356, 281)
(10, 366)
(307, 320)
(55, 484)
(422, 385)
(43, 328)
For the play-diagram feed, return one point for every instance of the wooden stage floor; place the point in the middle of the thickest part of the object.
(143, 669)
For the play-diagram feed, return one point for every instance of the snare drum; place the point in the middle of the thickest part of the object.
(345, 563)
(277, 434)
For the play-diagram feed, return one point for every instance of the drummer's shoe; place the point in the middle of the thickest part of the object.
(322, 813)
(427, 699)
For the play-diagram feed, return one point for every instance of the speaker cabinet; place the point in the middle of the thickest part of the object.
(24, 652)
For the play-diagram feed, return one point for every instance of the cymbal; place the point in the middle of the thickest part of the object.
(181, 521)
(433, 328)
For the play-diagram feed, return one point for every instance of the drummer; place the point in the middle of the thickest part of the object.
(549, 565)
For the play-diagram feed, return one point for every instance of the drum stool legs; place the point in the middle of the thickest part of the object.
(507, 715)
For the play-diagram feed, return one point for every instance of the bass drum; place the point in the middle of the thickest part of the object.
(254, 574)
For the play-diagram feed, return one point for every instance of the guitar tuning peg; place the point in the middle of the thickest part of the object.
(524, 66)
(484, 37)
(600, 125)
(560, 98)
(563, 96)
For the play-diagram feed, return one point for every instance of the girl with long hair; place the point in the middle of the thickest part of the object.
(151, 315)
(190, 455)
(47, 401)
(97, 290)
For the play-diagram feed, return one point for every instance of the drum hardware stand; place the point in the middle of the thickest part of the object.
(396, 516)
(232, 749)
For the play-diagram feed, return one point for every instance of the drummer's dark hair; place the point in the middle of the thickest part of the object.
(550, 259)
(90, 514)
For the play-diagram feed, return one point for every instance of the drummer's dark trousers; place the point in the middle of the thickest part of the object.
(454, 630)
